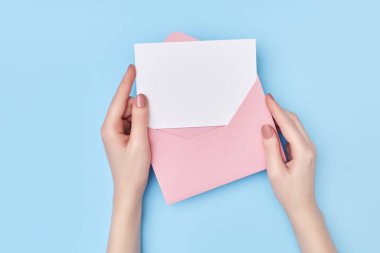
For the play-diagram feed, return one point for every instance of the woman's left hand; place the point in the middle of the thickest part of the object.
(125, 137)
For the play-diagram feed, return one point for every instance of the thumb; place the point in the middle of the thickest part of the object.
(271, 146)
(140, 119)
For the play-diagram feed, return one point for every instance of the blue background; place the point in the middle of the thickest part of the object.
(61, 61)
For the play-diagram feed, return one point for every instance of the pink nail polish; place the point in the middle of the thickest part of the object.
(266, 131)
(141, 100)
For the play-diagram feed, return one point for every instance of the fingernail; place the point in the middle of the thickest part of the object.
(141, 100)
(266, 131)
(270, 95)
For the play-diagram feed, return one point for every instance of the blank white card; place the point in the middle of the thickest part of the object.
(195, 83)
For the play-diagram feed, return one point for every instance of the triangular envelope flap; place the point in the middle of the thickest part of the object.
(178, 36)
(211, 105)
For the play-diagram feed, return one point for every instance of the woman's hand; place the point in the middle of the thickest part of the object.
(293, 181)
(125, 137)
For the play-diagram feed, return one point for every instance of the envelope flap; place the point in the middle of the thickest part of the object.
(178, 36)
(197, 83)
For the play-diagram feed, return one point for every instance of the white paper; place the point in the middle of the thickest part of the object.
(195, 83)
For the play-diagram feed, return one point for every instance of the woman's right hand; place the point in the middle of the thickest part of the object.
(293, 181)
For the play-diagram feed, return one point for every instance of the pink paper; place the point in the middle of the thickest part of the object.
(189, 161)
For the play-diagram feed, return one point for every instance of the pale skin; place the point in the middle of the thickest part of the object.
(125, 137)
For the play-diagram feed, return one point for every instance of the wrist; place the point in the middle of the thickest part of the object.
(127, 194)
(304, 212)
(128, 188)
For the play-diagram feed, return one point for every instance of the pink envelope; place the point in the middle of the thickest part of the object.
(189, 161)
